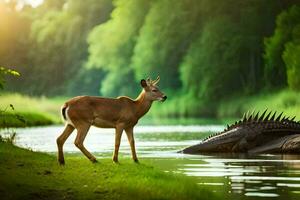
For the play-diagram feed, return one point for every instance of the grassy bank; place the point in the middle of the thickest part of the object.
(182, 106)
(30, 175)
(286, 101)
(29, 111)
(24, 119)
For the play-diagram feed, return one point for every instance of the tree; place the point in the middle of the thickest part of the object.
(226, 56)
(14, 33)
(169, 28)
(58, 47)
(210, 69)
(291, 57)
(48, 44)
(112, 43)
(275, 69)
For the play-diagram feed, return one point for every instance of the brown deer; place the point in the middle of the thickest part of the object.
(121, 113)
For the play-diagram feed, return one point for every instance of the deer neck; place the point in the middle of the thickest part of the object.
(142, 104)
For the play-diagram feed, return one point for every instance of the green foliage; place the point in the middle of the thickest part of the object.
(111, 46)
(4, 72)
(286, 101)
(14, 33)
(291, 54)
(183, 106)
(168, 30)
(205, 51)
(225, 57)
(60, 37)
(58, 46)
(213, 54)
(275, 68)
(86, 82)
(291, 58)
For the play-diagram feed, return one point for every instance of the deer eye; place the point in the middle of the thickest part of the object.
(154, 90)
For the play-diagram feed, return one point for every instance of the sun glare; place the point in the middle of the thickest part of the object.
(20, 3)
(34, 3)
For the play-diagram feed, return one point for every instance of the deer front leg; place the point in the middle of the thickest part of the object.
(129, 133)
(118, 136)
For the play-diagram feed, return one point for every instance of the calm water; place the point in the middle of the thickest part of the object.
(236, 175)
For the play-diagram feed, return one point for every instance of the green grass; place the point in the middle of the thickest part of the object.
(286, 101)
(182, 106)
(27, 104)
(29, 111)
(30, 175)
(24, 119)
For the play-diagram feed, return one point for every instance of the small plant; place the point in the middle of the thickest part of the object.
(10, 138)
(9, 133)
(6, 116)
(3, 113)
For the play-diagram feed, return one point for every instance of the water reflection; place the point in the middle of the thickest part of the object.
(240, 176)
(253, 176)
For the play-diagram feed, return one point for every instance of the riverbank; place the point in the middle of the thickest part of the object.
(29, 111)
(286, 101)
(24, 119)
(31, 175)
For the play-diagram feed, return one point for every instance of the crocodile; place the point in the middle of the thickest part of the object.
(254, 133)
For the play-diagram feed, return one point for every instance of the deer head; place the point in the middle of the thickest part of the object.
(152, 91)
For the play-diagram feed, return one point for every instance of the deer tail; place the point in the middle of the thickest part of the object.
(63, 111)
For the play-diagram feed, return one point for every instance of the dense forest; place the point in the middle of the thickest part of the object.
(204, 51)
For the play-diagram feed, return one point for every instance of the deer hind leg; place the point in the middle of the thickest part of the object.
(118, 136)
(61, 140)
(129, 133)
(81, 134)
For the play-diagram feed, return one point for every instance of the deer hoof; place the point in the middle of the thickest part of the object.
(94, 160)
(61, 162)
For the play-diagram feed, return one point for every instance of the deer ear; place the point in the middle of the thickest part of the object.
(143, 83)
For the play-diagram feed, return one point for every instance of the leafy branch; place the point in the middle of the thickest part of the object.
(4, 72)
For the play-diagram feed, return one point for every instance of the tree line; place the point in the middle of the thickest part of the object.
(203, 50)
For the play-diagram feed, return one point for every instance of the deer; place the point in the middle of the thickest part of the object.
(121, 113)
